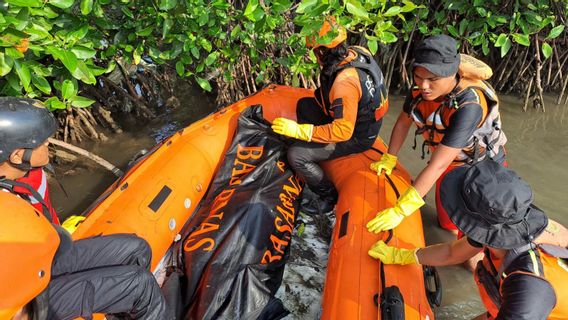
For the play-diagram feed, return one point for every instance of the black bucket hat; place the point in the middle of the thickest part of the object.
(438, 54)
(492, 205)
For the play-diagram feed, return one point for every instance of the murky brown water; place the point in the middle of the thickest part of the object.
(85, 181)
(537, 150)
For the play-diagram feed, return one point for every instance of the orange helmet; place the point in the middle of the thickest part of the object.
(328, 25)
(28, 244)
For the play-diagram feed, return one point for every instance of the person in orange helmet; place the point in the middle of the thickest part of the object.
(105, 274)
(344, 117)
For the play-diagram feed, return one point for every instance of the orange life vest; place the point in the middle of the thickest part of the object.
(28, 244)
(546, 264)
(433, 117)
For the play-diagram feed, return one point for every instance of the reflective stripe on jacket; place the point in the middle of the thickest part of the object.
(543, 263)
(37, 179)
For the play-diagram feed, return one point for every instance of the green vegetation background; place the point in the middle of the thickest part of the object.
(52, 49)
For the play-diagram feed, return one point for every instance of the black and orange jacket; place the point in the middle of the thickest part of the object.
(529, 284)
(355, 96)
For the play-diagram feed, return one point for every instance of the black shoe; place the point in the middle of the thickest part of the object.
(317, 205)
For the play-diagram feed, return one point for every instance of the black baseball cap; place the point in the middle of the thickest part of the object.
(492, 205)
(438, 54)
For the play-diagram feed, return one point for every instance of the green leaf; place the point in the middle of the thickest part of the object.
(453, 31)
(211, 58)
(203, 83)
(68, 58)
(26, 3)
(195, 52)
(13, 53)
(63, 4)
(373, 46)
(6, 64)
(83, 73)
(555, 32)
(388, 37)
(68, 89)
(392, 11)
(203, 19)
(80, 33)
(96, 70)
(23, 72)
(485, 46)
(356, 8)
(501, 40)
(180, 68)
(145, 32)
(166, 5)
(305, 5)
(14, 82)
(206, 45)
(83, 52)
(39, 31)
(408, 6)
(168, 23)
(235, 32)
(481, 11)
(127, 12)
(137, 56)
(81, 102)
(54, 103)
(546, 50)
(41, 83)
(250, 8)
(86, 6)
(522, 39)
(44, 12)
(301, 229)
(506, 47)
(463, 26)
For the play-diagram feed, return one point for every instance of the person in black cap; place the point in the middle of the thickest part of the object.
(492, 206)
(455, 111)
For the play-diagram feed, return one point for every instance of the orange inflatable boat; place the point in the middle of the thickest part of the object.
(162, 190)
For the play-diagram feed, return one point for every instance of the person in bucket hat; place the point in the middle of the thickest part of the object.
(522, 274)
(456, 112)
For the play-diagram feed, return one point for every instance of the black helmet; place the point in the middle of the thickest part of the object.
(24, 124)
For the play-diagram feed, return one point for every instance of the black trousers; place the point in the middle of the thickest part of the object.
(304, 156)
(105, 274)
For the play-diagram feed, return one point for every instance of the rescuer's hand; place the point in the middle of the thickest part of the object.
(291, 128)
(389, 218)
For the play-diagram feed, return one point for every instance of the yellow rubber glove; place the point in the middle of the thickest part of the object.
(389, 218)
(72, 223)
(393, 255)
(291, 128)
(387, 163)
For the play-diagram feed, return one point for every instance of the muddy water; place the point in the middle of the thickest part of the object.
(537, 149)
(85, 181)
